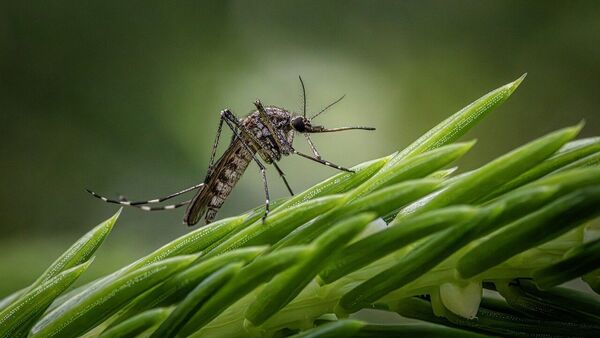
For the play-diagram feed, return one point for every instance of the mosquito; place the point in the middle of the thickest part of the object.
(266, 134)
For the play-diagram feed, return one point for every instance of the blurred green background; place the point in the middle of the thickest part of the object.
(124, 98)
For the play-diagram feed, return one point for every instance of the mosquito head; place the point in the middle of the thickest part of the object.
(301, 124)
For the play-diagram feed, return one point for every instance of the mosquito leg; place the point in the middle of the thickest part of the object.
(267, 199)
(327, 163)
(214, 148)
(124, 201)
(282, 175)
(234, 125)
(164, 207)
(312, 146)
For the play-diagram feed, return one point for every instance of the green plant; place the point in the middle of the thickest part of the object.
(516, 227)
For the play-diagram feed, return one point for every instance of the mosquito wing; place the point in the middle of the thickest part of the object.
(197, 206)
(218, 185)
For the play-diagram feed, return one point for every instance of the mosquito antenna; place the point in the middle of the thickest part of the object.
(329, 106)
(303, 96)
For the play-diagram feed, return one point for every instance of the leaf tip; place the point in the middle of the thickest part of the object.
(118, 213)
(574, 130)
(516, 83)
(470, 144)
(465, 147)
(110, 223)
(87, 263)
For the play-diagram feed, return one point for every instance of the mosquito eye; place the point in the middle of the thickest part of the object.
(298, 124)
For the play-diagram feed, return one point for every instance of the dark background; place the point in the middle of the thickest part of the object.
(123, 98)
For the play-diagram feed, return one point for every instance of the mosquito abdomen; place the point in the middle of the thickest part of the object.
(227, 174)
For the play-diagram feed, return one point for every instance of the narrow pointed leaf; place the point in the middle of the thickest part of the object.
(570, 153)
(80, 251)
(32, 304)
(177, 287)
(458, 124)
(414, 264)
(338, 328)
(471, 188)
(190, 243)
(194, 300)
(592, 160)
(288, 284)
(338, 183)
(137, 324)
(371, 248)
(578, 262)
(6, 301)
(543, 225)
(412, 168)
(81, 314)
(417, 166)
(278, 225)
(260, 271)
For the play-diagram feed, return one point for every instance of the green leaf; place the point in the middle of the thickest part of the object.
(195, 241)
(592, 279)
(592, 160)
(381, 202)
(416, 166)
(545, 224)
(82, 313)
(288, 284)
(195, 299)
(338, 328)
(80, 251)
(569, 153)
(458, 124)
(338, 183)
(411, 168)
(471, 188)
(414, 264)
(277, 225)
(360, 329)
(564, 182)
(190, 243)
(577, 262)
(260, 271)
(558, 304)
(6, 301)
(444, 173)
(177, 287)
(394, 237)
(415, 330)
(137, 324)
(19, 315)
(497, 319)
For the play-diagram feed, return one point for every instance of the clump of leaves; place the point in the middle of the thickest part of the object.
(475, 254)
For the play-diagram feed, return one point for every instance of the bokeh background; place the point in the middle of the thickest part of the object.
(124, 98)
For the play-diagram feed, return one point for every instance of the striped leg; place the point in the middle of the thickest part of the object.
(235, 126)
(312, 146)
(139, 203)
(327, 163)
(214, 148)
(282, 175)
(162, 207)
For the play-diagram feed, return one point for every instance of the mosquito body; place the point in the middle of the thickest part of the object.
(265, 135)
